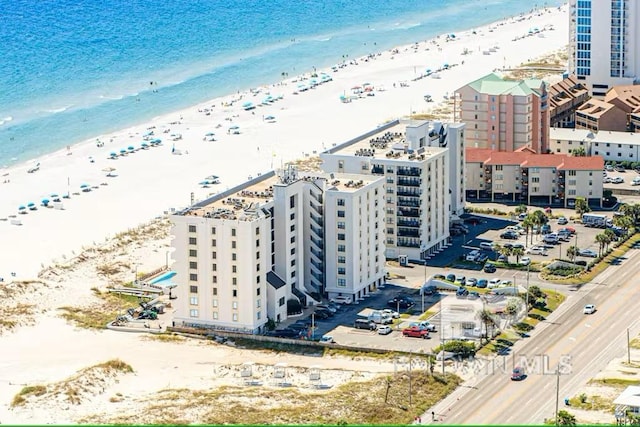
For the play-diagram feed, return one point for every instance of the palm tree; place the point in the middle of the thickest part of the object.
(572, 253)
(506, 251)
(518, 252)
(611, 237)
(486, 318)
(600, 240)
(539, 218)
(527, 224)
(623, 221)
(521, 209)
(632, 211)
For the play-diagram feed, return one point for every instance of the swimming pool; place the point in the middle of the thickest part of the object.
(166, 277)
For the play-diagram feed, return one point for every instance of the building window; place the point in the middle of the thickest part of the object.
(193, 289)
(293, 274)
(193, 312)
(214, 255)
(257, 231)
(293, 263)
(193, 241)
(257, 243)
(234, 281)
(340, 225)
(293, 251)
(258, 303)
(292, 202)
(342, 270)
(213, 230)
(193, 252)
(233, 256)
(258, 281)
(214, 267)
(281, 302)
(234, 305)
(258, 291)
(213, 242)
(193, 265)
(342, 283)
(235, 317)
(215, 302)
(234, 269)
(258, 255)
(340, 202)
(233, 244)
(259, 315)
(293, 227)
(233, 232)
(192, 229)
(234, 293)
(193, 277)
(215, 280)
(341, 248)
(342, 260)
(193, 301)
(215, 315)
(293, 239)
(340, 214)
(340, 236)
(215, 291)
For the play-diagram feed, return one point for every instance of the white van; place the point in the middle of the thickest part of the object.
(341, 300)
(488, 246)
(472, 256)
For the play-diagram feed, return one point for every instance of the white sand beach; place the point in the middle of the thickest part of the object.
(146, 183)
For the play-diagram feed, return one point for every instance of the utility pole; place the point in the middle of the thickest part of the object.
(526, 302)
(628, 348)
(557, 392)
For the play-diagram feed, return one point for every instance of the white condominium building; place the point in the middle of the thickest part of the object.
(422, 165)
(604, 43)
(241, 255)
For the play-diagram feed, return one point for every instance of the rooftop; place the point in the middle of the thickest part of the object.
(595, 107)
(625, 97)
(528, 160)
(493, 84)
(566, 91)
(629, 397)
(603, 136)
(390, 143)
(245, 201)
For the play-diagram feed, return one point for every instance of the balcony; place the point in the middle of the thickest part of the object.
(408, 232)
(412, 203)
(377, 170)
(408, 212)
(318, 232)
(406, 171)
(409, 192)
(407, 222)
(412, 182)
(318, 243)
(317, 254)
(317, 220)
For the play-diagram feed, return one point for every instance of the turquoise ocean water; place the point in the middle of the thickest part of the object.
(74, 69)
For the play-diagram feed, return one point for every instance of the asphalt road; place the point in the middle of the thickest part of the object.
(584, 343)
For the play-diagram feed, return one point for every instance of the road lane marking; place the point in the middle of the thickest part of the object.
(587, 325)
(572, 338)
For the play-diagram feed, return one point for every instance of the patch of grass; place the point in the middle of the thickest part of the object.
(360, 402)
(354, 354)
(587, 276)
(615, 382)
(427, 315)
(166, 337)
(116, 365)
(21, 397)
(98, 315)
(554, 299)
(592, 403)
(635, 343)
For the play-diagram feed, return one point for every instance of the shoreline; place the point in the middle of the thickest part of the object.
(315, 116)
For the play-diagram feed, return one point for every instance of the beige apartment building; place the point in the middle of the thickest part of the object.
(504, 115)
(533, 179)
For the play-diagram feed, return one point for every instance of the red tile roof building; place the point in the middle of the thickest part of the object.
(521, 176)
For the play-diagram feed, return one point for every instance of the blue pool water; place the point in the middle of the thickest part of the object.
(166, 278)
(72, 70)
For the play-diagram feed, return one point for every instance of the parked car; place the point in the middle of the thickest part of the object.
(394, 314)
(545, 229)
(365, 324)
(551, 238)
(341, 300)
(589, 309)
(489, 268)
(494, 283)
(518, 374)
(327, 307)
(384, 330)
(451, 277)
(510, 235)
(522, 216)
(635, 181)
(536, 250)
(415, 332)
(588, 253)
(473, 295)
(439, 276)
(505, 283)
(327, 339)
(525, 260)
(518, 246)
(460, 279)
(283, 333)
(609, 168)
(402, 302)
(482, 283)
(424, 325)
(472, 256)
(322, 314)
(503, 258)
(488, 246)
(562, 221)
(462, 292)
(471, 281)
(619, 168)
(617, 180)
(571, 230)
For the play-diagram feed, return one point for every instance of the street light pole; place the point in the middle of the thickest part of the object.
(313, 326)
(557, 392)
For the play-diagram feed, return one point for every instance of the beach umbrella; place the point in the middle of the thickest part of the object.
(123, 151)
(234, 127)
(109, 169)
(21, 208)
(270, 118)
(247, 104)
(209, 134)
(45, 201)
(31, 205)
(203, 183)
(84, 186)
(144, 144)
(156, 141)
(212, 177)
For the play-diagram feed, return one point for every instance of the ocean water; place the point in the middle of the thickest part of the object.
(71, 70)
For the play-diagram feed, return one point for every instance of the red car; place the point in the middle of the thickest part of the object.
(415, 332)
